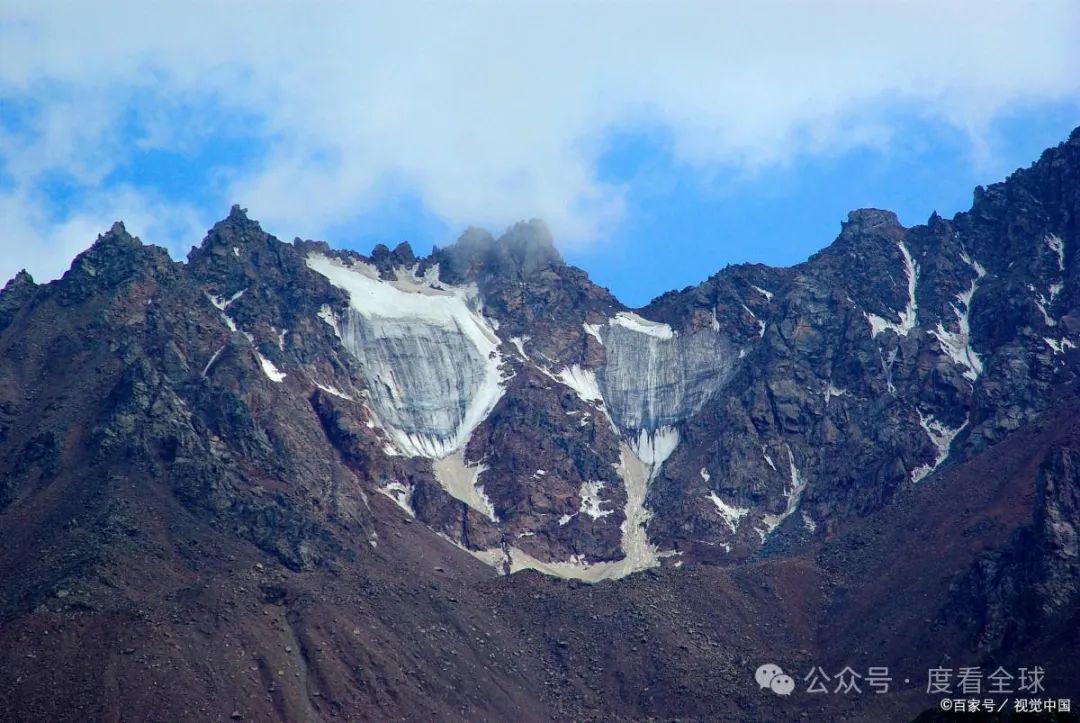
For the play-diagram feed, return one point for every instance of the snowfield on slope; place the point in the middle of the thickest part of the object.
(430, 358)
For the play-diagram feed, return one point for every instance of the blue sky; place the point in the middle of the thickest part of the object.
(781, 215)
(683, 224)
(659, 141)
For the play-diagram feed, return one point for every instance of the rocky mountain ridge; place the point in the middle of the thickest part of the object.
(323, 407)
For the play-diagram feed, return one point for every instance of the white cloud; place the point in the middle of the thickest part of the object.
(45, 245)
(490, 111)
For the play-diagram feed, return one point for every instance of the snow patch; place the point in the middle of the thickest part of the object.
(1058, 247)
(886, 367)
(632, 321)
(942, 437)
(270, 370)
(582, 381)
(401, 494)
(878, 324)
(213, 359)
(653, 448)
(593, 330)
(591, 504)
(909, 316)
(705, 474)
(330, 389)
(223, 304)
(957, 344)
(768, 459)
(831, 391)
(980, 270)
(767, 294)
(327, 315)
(1041, 302)
(1059, 347)
(731, 514)
(760, 323)
(519, 344)
(793, 494)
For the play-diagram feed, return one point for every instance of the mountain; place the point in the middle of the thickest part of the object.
(284, 481)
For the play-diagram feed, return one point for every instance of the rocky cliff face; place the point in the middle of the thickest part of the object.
(752, 413)
(310, 402)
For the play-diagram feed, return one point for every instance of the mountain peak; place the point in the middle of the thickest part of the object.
(18, 281)
(301, 444)
(865, 219)
(523, 250)
(229, 235)
(385, 260)
(237, 213)
(14, 294)
(117, 236)
(238, 220)
(530, 242)
(475, 237)
(114, 258)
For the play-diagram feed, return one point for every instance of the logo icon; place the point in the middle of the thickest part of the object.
(772, 676)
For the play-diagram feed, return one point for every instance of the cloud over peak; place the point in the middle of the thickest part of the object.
(485, 112)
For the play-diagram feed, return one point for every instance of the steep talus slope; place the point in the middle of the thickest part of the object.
(979, 567)
(289, 481)
(194, 622)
